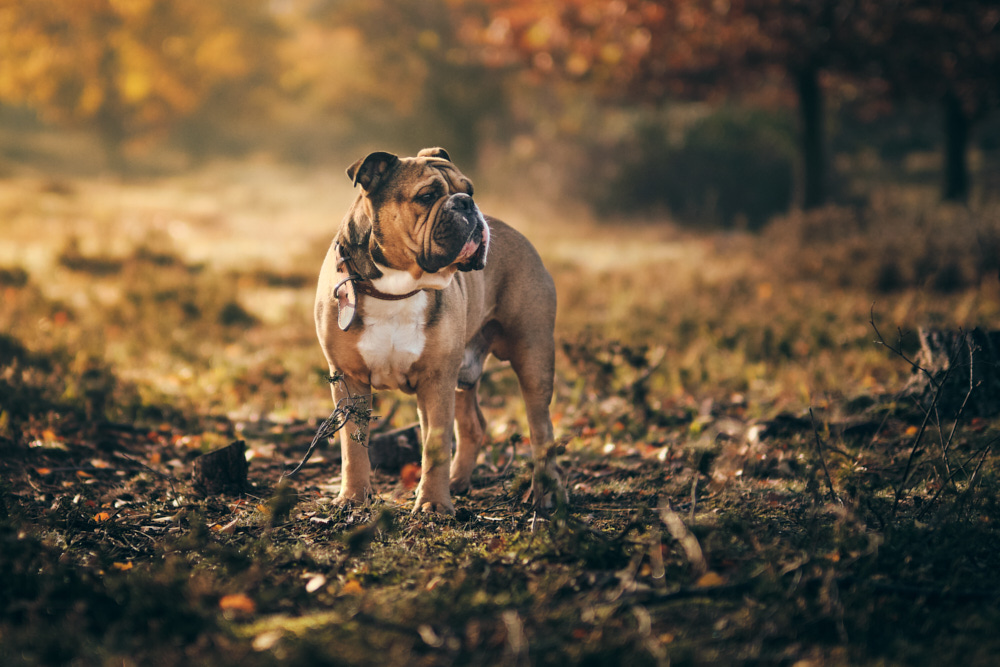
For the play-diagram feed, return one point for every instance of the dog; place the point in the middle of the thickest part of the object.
(417, 289)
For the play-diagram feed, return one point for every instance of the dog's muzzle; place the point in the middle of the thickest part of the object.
(472, 256)
(460, 237)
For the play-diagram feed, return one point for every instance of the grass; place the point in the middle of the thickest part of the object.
(145, 323)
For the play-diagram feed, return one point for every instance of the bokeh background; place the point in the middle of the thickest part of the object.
(722, 112)
(734, 182)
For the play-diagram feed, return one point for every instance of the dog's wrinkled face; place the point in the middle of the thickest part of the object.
(420, 214)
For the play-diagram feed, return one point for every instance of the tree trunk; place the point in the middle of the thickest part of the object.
(813, 154)
(109, 119)
(956, 144)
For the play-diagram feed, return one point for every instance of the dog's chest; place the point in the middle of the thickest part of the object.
(393, 339)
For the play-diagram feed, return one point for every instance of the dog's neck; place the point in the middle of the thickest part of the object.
(364, 260)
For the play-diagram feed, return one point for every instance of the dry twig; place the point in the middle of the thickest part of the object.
(822, 459)
(351, 407)
(677, 529)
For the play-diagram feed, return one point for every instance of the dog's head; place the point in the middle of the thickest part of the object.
(415, 215)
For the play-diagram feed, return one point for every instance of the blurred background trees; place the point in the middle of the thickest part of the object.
(131, 70)
(724, 111)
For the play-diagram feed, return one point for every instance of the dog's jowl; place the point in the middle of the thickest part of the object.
(417, 289)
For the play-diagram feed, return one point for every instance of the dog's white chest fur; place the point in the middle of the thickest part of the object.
(393, 339)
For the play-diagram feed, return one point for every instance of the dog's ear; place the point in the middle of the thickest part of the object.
(369, 171)
(435, 152)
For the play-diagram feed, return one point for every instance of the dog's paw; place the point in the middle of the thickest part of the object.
(547, 490)
(349, 498)
(434, 507)
(460, 485)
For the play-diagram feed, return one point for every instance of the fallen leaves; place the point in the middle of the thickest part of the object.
(409, 476)
(48, 439)
(266, 640)
(316, 582)
(227, 529)
(237, 603)
(709, 580)
(352, 587)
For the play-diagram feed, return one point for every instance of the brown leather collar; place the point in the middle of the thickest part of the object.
(362, 286)
(368, 289)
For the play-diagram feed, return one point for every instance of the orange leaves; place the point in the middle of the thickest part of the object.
(628, 47)
(410, 476)
(352, 587)
(709, 580)
(237, 604)
(49, 440)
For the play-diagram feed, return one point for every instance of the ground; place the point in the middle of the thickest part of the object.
(749, 482)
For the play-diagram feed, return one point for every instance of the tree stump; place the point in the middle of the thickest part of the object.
(222, 471)
(392, 450)
(957, 362)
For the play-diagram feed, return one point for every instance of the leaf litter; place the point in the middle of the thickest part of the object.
(712, 519)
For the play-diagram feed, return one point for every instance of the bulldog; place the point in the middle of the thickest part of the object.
(417, 289)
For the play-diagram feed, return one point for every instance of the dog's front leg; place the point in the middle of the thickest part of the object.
(436, 404)
(356, 470)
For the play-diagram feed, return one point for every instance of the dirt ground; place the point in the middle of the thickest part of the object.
(749, 482)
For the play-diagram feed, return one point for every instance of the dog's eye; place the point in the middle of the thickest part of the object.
(427, 197)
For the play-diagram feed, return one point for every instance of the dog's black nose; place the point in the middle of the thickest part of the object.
(462, 203)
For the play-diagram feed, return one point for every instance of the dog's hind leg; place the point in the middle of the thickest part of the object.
(470, 427)
(436, 407)
(535, 366)
(470, 424)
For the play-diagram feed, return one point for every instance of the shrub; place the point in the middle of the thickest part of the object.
(886, 248)
(732, 169)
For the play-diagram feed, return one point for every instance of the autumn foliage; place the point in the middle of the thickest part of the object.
(133, 70)
(129, 68)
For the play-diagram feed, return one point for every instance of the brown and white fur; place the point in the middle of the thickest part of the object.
(482, 290)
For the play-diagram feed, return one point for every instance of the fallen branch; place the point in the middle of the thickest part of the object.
(677, 529)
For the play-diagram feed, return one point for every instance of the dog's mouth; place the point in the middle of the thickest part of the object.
(472, 256)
